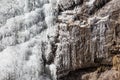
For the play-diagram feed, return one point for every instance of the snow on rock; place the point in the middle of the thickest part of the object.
(23, 39)
(50, 39)
(90, 3)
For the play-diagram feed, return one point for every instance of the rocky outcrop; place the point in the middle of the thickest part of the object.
(87, 40)
(59, 39)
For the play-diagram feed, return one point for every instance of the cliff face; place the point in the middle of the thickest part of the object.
(59, 39)
(91, 40)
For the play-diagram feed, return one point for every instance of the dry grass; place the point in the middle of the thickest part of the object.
(116, 62)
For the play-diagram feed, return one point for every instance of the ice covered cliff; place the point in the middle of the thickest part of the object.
(58, 39)
(27, 33)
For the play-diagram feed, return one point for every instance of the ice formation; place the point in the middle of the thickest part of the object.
(56, 39)
(23, 33)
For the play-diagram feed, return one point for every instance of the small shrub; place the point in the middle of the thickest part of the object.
(102, 69)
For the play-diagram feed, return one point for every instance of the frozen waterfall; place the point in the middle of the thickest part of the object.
(25, 47)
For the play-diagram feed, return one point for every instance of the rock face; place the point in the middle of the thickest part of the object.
(91, 39)
(59, 39)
